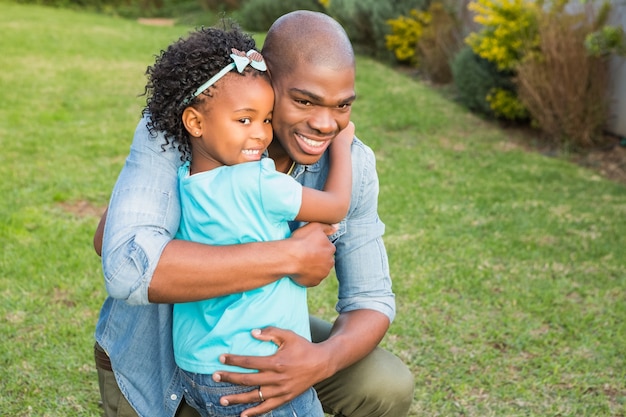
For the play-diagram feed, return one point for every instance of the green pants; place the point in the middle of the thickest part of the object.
(379, 385)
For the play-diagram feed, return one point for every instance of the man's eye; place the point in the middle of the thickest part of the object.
(304, 102)
(344, 106)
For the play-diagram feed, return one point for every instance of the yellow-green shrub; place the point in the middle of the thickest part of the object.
(406, 31)
(557, 59)
(506, 104)
(426, 39)
(509, 29)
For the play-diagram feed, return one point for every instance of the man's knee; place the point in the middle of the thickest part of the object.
(380, 385)
(389, 391)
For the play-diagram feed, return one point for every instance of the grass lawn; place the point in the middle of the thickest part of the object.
(509, 267)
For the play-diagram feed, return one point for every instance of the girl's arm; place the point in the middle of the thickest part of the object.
(331, 205)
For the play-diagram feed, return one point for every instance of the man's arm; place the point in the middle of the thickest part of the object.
(190, 271)
(142, 263)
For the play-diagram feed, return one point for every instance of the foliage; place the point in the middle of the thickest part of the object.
(511, 36)
(426, 39)
(506, 104)
(220, 4)
(181, 9)
(562, 86)
(439, 43)
(258, 15)
(608, 40)
(475, 78)
(509, 29)
(365, 21)
(406, 31)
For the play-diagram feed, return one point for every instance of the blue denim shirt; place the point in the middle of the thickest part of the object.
(143, 216)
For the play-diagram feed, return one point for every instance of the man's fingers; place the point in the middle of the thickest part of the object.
(262, 408)
(269, 402)
(329, 229)
(270, 334)
(248, 379)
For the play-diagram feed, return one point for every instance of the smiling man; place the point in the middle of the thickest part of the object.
(312, 66)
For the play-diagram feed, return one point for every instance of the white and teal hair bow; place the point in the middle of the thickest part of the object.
(240, 61)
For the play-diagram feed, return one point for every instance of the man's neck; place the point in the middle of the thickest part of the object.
(281, 159)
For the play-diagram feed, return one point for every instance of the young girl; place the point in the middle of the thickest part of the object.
(211, 96)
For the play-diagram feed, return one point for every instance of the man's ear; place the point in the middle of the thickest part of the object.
(193, 121)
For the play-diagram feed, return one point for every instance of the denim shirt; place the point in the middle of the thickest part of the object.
(143, 216)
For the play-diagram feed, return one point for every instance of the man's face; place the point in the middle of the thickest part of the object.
(312, 104)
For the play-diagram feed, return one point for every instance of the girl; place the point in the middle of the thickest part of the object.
(211, 96)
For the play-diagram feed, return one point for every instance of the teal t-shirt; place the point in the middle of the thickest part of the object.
(241, 203)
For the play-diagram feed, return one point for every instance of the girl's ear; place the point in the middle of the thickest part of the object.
(192, 119)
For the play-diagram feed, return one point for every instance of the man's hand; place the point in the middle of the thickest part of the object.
(296, 366)
(315, 253)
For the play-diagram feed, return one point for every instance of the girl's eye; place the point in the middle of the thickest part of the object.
(245, 121)
(267, 121)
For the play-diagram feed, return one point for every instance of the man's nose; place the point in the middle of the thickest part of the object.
(323, 121)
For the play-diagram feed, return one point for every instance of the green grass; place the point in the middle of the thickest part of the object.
(509, 267)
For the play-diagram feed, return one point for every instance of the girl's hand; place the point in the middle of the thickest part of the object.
(345, 137)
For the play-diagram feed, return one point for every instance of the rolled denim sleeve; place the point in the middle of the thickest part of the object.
(361, 261)
(143, 216)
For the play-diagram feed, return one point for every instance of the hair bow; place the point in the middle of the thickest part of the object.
(252, 58)
(240, 61)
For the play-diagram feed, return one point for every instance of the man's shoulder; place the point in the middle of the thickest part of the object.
(360, 149)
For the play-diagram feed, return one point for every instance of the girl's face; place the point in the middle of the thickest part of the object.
(237, 123)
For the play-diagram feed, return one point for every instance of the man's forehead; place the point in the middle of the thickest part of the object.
(318, 79)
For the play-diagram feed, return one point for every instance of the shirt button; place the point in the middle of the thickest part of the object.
(173, 397)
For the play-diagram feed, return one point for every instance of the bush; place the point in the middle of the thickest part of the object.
(439, 43)
(557, 51)
(427, 39)
(132, 8)
(365, 21)
(406, 31)
(258, 15)
(475, 78)
(563, 86)
(509, 30)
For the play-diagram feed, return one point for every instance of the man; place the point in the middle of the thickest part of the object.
(312, 66)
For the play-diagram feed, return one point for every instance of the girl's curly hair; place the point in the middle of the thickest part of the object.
(179, 70)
